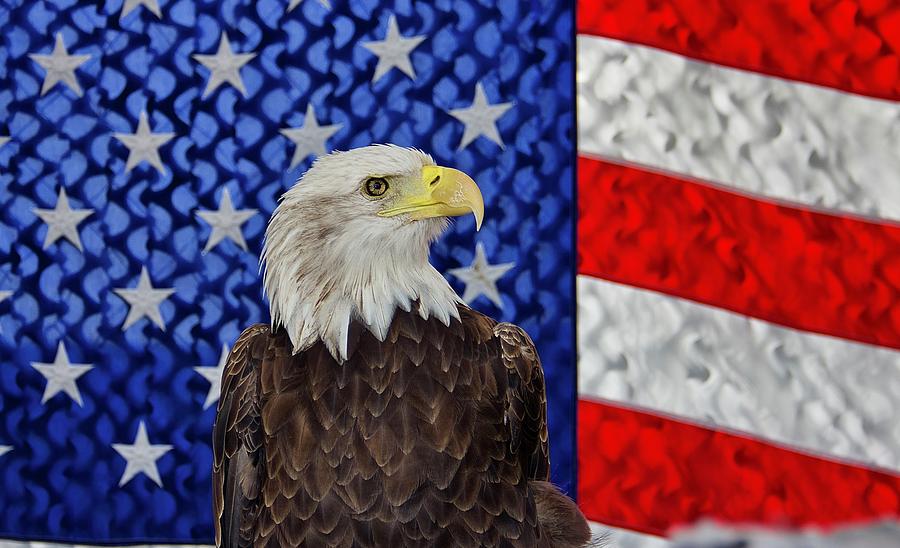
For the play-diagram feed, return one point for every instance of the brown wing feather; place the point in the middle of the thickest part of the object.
(423, 439)
(236, 436)
(527, 397)
(562, 522)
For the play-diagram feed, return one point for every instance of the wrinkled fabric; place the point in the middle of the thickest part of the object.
(60, 481)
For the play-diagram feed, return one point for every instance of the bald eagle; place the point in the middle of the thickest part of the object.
(377, 409)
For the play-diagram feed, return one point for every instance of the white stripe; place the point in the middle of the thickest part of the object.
(756, 133)
(612, 537)
(882, 534)
(812, 391)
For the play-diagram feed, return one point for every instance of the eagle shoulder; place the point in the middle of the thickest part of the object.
(562, 522)
(527, 400)
(236, 433)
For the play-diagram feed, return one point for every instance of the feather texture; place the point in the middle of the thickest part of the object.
(330, 261)
(432, 435)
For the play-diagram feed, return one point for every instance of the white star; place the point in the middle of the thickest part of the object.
(393, 51)
(226, 222)
(294, 3)
(310, 139)
(481, 277)
(224, 66)
(214, 376)
(144, 301)
(143, 145)
(62, 375)
(62, 221)
(152, 5)
(4, 139)
(480, 118)
(4, 449)
(141, 457)
(60, 66)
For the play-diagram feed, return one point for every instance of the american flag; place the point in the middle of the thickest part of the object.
(732, 256)
(738, 262)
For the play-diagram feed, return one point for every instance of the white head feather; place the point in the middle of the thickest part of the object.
(329, 258)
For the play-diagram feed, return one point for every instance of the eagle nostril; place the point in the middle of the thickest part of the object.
(434, 181)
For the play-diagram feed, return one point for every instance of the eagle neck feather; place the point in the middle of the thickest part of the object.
(318, 280)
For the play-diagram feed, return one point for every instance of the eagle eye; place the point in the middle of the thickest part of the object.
(376, 186)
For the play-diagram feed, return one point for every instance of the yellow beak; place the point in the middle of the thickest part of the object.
(442, 192)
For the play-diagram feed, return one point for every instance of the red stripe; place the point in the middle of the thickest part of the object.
(649, 473)
(800, 268)
(846, 44)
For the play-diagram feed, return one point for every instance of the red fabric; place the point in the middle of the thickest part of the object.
(851, 45)
(793, 266)
(649, 473)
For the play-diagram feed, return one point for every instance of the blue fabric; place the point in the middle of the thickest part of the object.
(60, 481)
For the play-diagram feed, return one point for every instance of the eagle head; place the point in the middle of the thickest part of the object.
(349, 241)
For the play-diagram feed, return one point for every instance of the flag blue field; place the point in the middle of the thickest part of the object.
(143, 146)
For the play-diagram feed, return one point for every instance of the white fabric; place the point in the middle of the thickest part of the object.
(756, 133)
(817, 392)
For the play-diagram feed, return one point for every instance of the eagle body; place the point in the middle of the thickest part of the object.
(377, 409)
(428, 438)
